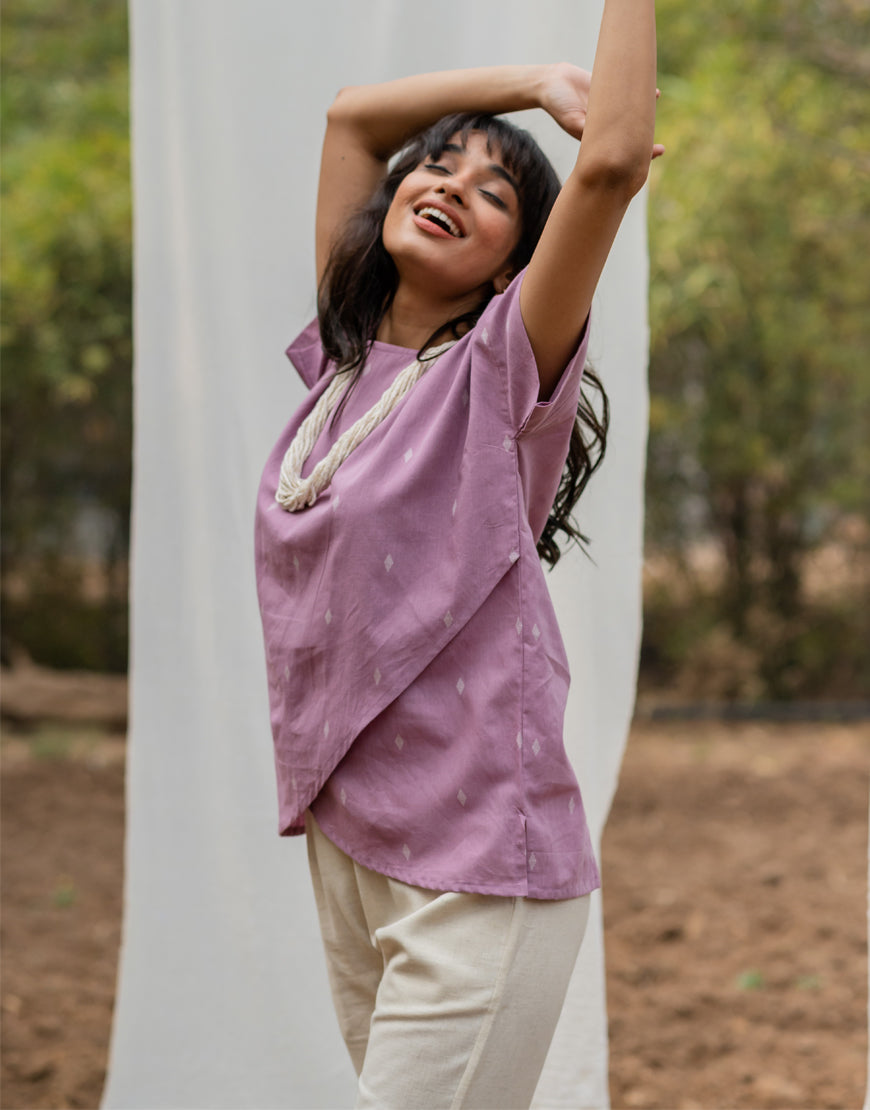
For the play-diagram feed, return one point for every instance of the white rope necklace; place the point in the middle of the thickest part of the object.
(295, 492)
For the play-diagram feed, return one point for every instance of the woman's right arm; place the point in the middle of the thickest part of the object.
(367, 124)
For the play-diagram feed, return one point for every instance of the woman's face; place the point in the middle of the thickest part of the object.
(455, 221)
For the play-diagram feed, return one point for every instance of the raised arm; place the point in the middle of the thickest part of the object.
(614, 114)
(366, 124)
(611, 167)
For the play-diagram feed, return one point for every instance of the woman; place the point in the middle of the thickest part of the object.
(417, 675)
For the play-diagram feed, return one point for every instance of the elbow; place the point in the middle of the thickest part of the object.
(341, 107)
(352, 118)
(619, 171)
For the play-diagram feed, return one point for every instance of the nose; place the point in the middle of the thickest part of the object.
(453, 187)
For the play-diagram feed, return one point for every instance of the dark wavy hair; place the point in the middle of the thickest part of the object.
(361, 279)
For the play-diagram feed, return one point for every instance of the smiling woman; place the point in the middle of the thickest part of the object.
(451, 231)
(417, 675)
(360, 280)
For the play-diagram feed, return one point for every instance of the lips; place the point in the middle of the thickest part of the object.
(440, 220)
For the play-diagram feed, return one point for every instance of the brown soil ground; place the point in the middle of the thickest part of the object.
(735, 901)
(735, 866)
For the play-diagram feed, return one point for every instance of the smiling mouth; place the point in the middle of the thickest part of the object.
(440, 219)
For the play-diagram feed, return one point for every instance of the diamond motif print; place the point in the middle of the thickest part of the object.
(409, 454)
(286, 672)
(536, 747)
(400, 743)
(532, 861)
(514, 555)
(462, 797)
(343, 796)
(388, 562)
(460, 686)
(485, 337)
(453, 510)
(571, 804)
(335, 502)
(406, 851)
(519, 739)
(326, 728)
(296, 561)
(377, 676)
(328, 616)
(506, 443)
(448, 619)
(519, 627)
(536, 632)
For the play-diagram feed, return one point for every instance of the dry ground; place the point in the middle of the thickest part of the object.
(735, 865)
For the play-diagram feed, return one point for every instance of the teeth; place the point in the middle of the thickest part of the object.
(441, 218)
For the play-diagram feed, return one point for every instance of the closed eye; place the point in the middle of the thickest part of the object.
(493, 198)
(496, 200)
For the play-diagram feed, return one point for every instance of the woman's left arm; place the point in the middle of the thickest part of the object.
(612, 166)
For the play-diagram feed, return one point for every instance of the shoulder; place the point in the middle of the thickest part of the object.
(501, 347)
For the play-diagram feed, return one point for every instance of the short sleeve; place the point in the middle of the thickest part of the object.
(501, 346)
(306, 354)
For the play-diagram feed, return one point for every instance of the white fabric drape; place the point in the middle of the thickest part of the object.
(223, 1000)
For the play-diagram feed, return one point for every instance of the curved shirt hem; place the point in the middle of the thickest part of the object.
(517, 888)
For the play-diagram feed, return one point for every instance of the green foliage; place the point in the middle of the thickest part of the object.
(64, 895)
(759, 227)
(66, 332)
(751, 980)
(688, 649)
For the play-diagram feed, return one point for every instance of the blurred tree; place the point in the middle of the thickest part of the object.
(760, 270)
(66, 330)
(760, 255)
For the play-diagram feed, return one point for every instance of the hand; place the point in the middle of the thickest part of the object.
(565, 96)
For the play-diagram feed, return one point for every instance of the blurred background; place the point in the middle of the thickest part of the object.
(66, 333)
(756, 580)
(758, 538)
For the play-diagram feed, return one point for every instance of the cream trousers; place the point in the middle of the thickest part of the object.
(443, 999)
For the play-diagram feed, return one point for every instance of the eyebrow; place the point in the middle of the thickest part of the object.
(495, 168)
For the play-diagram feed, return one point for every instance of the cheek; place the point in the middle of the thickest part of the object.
(390, 223)
(398, 206)
(502, 234)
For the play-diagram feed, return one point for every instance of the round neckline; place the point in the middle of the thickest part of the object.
(380, 343)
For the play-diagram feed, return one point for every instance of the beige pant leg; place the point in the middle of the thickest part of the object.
(471, 993)
(353, 963)
(469, 986)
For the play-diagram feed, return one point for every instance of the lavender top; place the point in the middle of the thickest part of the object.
(417, 676)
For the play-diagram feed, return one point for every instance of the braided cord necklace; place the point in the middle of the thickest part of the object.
(295, 492)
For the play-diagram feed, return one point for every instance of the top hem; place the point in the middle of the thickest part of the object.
(509, 889)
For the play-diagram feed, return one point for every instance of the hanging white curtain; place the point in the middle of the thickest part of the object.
(223, 1000)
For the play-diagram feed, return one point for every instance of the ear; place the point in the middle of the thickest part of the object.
(501, 281)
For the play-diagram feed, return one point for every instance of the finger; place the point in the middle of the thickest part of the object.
(658, 150)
